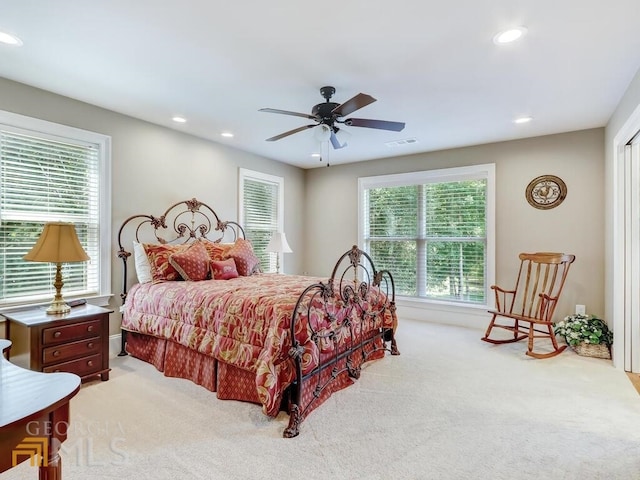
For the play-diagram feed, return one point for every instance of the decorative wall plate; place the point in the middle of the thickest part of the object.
(546, 191)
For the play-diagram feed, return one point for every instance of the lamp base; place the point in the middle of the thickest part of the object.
(58, 307)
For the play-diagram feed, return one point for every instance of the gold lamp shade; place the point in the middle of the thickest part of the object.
(58, 243)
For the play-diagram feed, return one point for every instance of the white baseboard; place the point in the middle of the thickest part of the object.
(114, 344)
(469, 317)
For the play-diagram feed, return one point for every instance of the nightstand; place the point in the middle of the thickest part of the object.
(75, 342)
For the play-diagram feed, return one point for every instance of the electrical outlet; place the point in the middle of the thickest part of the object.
(581, 310)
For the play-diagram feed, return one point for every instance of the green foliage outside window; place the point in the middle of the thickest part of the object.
(432, 237)
(44, 180)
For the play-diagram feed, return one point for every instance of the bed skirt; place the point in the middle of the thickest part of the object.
(232, 383)
(174, 360)
(149, 349)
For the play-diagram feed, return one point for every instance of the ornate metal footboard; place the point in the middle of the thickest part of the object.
(348, 320)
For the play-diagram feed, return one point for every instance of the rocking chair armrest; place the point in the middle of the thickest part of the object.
(504, 302)
(548, 298)
(501, 290)
(547, 306)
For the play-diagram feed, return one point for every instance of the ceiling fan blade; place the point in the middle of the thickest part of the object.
(353, 104)
(379, 124)
(335, 142)
(290, 132)
(287, 112)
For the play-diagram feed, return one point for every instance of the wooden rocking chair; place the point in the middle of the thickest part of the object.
(530, 305)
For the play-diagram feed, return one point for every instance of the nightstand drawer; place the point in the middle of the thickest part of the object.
(67, 351)
(75, 342)
(75, 331)
(81, 367)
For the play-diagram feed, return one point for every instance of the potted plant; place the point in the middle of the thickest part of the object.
(588, 335)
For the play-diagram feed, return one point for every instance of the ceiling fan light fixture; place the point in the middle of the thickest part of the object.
(327, 114)
(322, 133)
(343, 136)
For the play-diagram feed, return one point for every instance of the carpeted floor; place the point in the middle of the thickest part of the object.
(450, 407)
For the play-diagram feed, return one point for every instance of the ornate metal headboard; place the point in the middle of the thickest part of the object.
(182, 222)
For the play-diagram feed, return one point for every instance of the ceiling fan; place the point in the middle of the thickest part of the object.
(328, 114)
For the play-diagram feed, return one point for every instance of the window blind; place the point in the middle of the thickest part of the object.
(261, 216)
(46, 178)
(455, 223)
(430, 233)
(392, 234)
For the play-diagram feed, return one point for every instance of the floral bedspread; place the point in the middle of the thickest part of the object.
(243, 321)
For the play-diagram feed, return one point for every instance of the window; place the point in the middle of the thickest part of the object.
(432, 230)
(51, 172)
(261, 212)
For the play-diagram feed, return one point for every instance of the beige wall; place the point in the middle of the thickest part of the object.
(576, 226)
(154, 167)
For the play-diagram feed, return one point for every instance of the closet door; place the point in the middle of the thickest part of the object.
(632, 256)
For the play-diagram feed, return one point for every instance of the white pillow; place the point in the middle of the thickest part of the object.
(143, 268)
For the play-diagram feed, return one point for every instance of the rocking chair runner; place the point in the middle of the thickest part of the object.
(531, 304)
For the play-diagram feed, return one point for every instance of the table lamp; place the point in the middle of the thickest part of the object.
(278, 244)
(58, 243)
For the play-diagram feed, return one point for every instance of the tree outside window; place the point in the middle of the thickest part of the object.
(429, 229)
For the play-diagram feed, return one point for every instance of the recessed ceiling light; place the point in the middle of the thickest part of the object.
(10, 39)
(227, 134)
(509, 36)
(179, 119)
(523, 120)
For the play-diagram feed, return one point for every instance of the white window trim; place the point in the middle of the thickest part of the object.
(47, 128)
(245, 173)
(415, 305)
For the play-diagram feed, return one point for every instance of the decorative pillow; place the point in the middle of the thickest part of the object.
(224, 269)
(159, 255)
(242, 253)
(192, 264)
(216, 251)
(143, 269)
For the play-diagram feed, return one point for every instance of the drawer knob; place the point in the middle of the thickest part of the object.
(90, 345)
(57, 334)
(90, 328)
(56, 353)
(90, 363)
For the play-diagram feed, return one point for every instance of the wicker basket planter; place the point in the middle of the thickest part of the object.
(600, 350)
(582, 328)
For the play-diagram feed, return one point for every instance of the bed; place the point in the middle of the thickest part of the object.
(285, 342)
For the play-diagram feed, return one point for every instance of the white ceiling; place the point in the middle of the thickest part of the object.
(431, 64)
